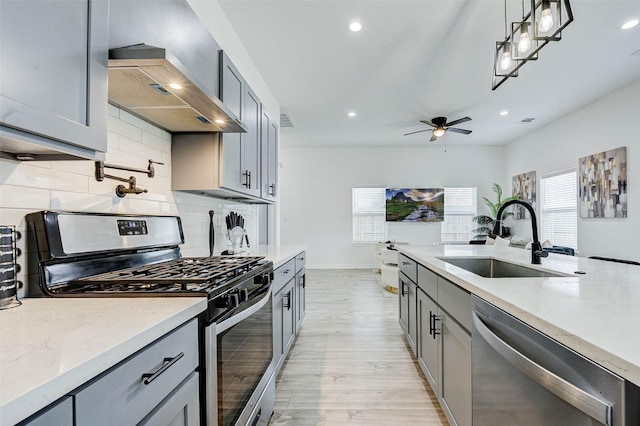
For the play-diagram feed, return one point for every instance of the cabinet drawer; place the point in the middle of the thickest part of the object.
(301, 261)
(428, 282)
(283, 274)
(455, 301)
(409, 267)
(121, 396)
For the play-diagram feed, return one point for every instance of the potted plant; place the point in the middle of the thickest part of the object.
(485, 222)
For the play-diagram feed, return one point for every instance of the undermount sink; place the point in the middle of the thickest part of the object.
(493, 268)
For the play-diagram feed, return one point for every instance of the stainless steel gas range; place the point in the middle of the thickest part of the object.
(109, 255)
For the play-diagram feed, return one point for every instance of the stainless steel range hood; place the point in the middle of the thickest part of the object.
(152, 84)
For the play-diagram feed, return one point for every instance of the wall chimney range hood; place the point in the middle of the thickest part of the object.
(152, 84)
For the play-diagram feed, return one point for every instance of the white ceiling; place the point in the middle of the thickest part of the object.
(418, 59)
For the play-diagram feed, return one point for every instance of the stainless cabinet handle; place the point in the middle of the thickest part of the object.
(166, 363)
(570, 393)
(247, 179)
(402, 290)
(272, 190)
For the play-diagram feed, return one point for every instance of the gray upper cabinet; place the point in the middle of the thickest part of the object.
(53, 98)
(269, 149)
(250, 144)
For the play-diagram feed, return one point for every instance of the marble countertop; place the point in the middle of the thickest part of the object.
(48, 347)
(596, 313)
(279, 254)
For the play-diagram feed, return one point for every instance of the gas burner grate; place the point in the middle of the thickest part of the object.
(183, 274)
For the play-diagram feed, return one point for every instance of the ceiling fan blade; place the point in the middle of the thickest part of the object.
(458, 121)
(455, 130)
(428, 123)
(433, 138)
(419, 131)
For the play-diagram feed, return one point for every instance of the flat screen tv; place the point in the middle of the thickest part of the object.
(415, 204)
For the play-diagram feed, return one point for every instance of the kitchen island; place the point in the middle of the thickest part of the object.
(594, 312)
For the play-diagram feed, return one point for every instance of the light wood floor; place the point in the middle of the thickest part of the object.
(350, 364)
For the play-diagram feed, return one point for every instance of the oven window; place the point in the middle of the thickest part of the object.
(245, 352)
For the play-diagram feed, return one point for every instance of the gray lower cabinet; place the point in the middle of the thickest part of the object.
(180, 408)
(53, 97)
(407, 296)
(57, 414)
(289, 306)
(156, 384)
(443, 340)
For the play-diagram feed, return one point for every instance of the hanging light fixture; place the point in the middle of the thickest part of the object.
(549, 18)
(504, 65)
(543, 23)
(524, 46)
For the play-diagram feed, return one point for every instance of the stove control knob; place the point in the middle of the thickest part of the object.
(244, 294)
(261, 279)
(233, 299)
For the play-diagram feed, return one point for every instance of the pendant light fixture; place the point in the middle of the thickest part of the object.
(504, 66)
(543, 23)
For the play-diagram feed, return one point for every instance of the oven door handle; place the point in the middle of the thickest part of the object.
(235, 319)
(570, 393)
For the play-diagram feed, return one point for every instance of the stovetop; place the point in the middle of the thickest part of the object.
(183, 275)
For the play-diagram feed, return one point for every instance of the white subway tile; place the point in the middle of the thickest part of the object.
(113, 110)
(123, 128)
(139, 123)
(156, 141)
(21, 197)
(36, 177)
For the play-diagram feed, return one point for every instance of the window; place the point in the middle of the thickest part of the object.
(559, 215)
(460, 207)
(368, 213)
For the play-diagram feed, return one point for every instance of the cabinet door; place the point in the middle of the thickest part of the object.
(232, 88)
(57, 414)
(455, 384)
(250, 148)
(54, 71)
(407, 295)
(300, 307)
(269, 157)
(428, 339)
(180, 408)
(278, 323)
(288, 317)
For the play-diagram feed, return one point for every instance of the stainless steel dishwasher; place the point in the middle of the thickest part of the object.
(522, 377)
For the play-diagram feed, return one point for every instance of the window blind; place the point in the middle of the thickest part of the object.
(460, 207)
(559, 209)
(368, 213)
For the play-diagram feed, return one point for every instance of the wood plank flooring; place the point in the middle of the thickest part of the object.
(350, 364)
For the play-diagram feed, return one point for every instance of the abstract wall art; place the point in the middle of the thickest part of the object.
(603, 184)
(524, 185)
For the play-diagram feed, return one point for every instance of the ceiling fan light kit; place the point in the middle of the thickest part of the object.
(440, 127)
(543, 23)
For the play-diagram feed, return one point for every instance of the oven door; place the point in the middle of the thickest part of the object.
(239, 357)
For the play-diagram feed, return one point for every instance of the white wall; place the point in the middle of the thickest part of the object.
(26, 187)
(316, 185)
(609, 123)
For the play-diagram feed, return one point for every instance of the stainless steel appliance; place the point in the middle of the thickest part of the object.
(108, 255)
(9, 267)
(522, 377)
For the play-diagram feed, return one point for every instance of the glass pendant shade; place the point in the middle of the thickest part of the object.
(438, 131)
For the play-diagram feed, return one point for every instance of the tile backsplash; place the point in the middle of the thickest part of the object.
(26, 187)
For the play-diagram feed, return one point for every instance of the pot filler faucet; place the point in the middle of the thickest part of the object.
(536, 248)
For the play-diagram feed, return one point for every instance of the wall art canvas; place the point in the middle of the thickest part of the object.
(415, 204)
(524, 185)
(603, 184)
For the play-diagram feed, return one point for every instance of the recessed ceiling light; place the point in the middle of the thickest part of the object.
(351, 114)
(505, 112)
(175, 86)
(630, 24)
(355, 26)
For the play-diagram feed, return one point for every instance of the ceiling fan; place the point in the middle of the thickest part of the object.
(440, 127)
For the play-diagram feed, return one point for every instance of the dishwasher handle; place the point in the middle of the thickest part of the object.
(593, 407)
